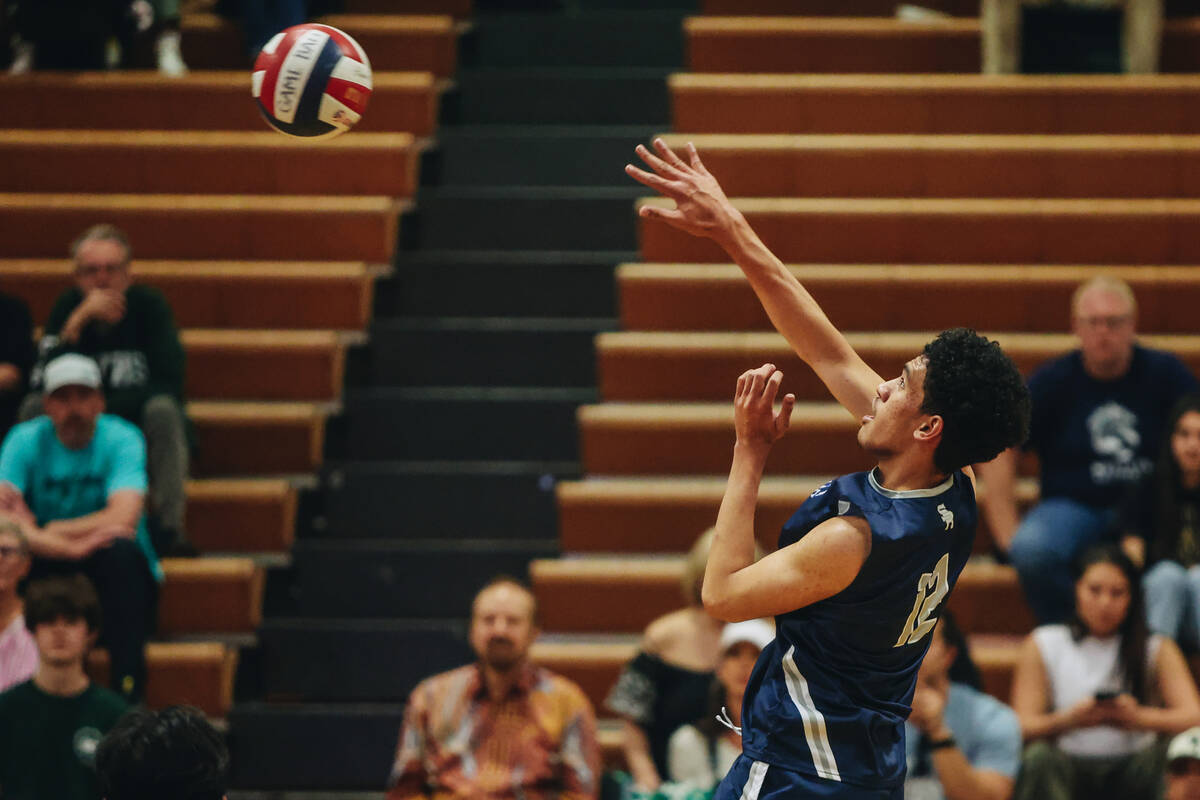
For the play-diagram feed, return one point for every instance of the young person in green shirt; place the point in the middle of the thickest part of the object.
(51, 725)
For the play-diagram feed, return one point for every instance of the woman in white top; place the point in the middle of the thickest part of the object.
(1093, 695)
(699, 755)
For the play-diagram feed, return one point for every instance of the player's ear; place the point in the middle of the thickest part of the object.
(930, 430)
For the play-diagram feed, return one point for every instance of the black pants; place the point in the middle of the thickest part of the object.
(128, 601)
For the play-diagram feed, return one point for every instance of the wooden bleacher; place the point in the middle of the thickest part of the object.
(267, 249)
(870, 45)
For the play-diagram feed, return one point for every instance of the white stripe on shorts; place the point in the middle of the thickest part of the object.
(754, 781)
(814, 721)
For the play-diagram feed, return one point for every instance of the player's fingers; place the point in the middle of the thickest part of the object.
(741, 386)
(785, 412)
(657, 164)
(672, 216)
(694, 159)
(669, 155)
(772, 388)
(656, 182)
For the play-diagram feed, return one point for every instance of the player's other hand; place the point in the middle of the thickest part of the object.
(755, 419)
(701, 207)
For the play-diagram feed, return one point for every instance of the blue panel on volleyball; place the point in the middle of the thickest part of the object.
(307, 123)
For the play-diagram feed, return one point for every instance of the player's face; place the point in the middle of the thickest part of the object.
(1185, 444)
(895, 412)
(1183, 780)
(73, 410)
(1104, 322)
(14, 563)
(102, 264)
(62, 642)
(502, 628)
(1102, 596)
(735, 667)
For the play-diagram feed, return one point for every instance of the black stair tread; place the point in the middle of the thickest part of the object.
(549, 193)
(541, 258)
(600, 38)
(515, 395)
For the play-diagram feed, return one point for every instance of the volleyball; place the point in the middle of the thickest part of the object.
(312, 81)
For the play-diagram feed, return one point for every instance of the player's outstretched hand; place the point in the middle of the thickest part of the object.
(701, 207)
(755, 418)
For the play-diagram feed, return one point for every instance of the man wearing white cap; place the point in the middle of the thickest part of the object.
(75, 480)
(1183, 766)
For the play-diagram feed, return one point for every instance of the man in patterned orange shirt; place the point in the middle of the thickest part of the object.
(501, 728)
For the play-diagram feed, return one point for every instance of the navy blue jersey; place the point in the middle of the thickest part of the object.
(830, 695)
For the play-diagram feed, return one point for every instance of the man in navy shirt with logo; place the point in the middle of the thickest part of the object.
(865, 564)
(1097, 426)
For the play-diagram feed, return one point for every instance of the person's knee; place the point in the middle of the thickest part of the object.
(162, 412)
(30, 407)
(1042, 759)
(1167, 577)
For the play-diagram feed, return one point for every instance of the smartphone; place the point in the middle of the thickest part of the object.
(1105, 696)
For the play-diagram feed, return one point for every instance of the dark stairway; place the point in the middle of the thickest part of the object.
(459, 415)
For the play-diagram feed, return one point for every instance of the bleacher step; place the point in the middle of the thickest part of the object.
(198, 674)
(210, 595)
(233, 227)
(1034, 298)
(492, 500)
(478, 351)
(256, 438)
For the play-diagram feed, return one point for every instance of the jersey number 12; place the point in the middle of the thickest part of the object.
(931, 589)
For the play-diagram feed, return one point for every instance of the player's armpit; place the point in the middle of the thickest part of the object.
(820, 565)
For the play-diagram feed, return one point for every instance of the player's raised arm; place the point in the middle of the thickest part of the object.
(702, 209)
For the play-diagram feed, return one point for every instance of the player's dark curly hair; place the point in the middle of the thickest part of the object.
(979, 394)
(152, 755)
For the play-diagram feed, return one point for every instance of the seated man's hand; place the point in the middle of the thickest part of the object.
(105, 304)
(12, 504)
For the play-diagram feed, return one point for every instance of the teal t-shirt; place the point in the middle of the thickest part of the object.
(48, 743)
(59, 483)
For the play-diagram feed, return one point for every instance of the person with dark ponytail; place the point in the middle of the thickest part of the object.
(1160, 523)
(1092, 695)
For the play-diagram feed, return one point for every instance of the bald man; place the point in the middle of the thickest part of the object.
(502, 727)
(1097, 426)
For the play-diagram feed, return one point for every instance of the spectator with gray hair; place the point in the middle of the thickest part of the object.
(130, 331)
(75, 480)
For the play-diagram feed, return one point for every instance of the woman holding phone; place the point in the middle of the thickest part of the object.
(1092, 695)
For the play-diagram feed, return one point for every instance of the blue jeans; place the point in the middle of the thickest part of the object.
(1173, 599)
(1052, 535)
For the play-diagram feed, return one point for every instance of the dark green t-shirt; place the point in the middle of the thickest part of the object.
(139, 357)
(48, 743)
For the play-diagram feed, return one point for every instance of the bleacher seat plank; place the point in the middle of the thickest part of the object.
(264, 365)
(905, 165)
(870, 44)
(241, 516)
(256, 438)
(724, 103)
(197, 162)
(210, 595)
(660, 366)
(831, 44)
(207, 226)
(203, 100)
(953, 231)
(665, 515)
(697, 438)
(198, 674)
(623, 595)
(681, 297)
(222, 294)
(395, 42)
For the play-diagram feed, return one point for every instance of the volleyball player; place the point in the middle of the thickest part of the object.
(865, 564)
